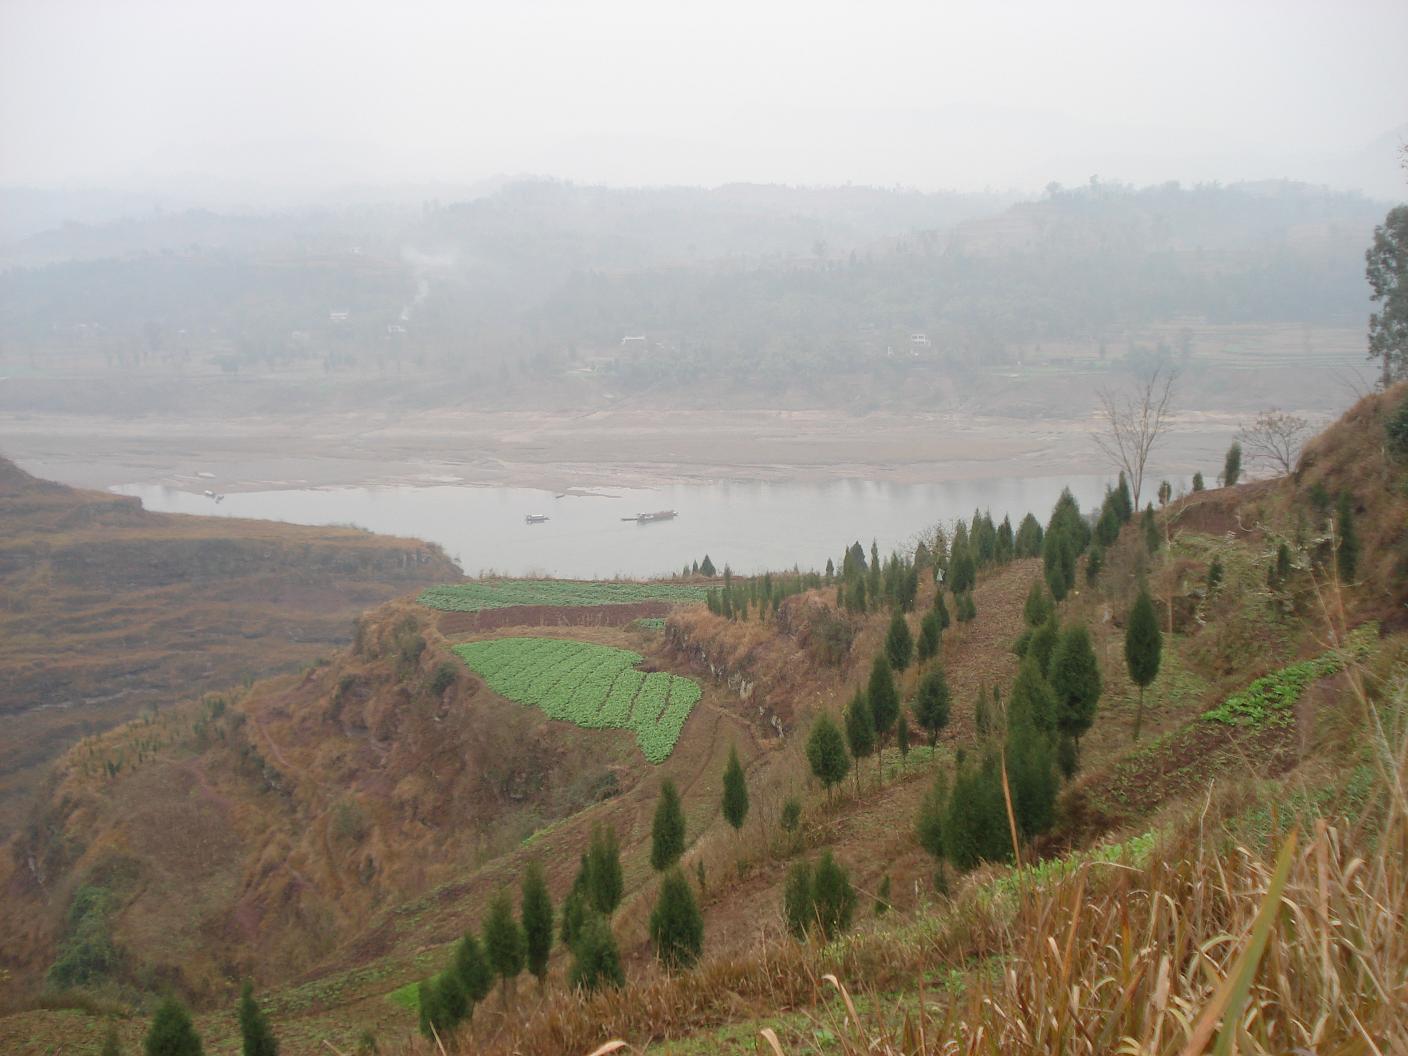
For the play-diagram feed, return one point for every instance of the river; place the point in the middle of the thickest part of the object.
(751, 526)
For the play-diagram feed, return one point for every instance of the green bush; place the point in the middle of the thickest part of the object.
(1397, 429)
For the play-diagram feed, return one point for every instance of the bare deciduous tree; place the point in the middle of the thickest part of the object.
(1276, 437)
(1134, 422)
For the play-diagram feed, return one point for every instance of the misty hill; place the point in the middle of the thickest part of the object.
(741, 283)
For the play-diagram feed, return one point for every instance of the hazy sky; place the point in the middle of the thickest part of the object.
(300, 95)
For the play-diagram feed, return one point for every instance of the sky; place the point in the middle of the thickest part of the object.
(295, 97)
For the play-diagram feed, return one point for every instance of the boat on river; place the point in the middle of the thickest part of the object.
(651, 518)
(535, 518)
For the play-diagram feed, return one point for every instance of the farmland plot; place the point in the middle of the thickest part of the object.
(477, 595)
(592, 686)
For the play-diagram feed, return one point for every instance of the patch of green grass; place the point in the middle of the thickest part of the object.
(1135, 851)
(650, 623)
(592, 686)
(407, 997)
(1270, 700)
(478, 595)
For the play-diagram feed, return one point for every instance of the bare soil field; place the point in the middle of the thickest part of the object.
(911, 424)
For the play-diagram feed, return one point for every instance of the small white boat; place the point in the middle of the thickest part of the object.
(535, 518)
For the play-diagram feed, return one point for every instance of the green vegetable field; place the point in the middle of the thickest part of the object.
(593, 686)
(477, 595)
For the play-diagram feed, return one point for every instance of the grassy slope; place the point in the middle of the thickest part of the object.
(751, 978)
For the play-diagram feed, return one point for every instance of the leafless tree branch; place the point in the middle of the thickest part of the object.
(1276, 437)
(1133, 423)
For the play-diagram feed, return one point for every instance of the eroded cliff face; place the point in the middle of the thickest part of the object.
(106, 609)
(778, 671)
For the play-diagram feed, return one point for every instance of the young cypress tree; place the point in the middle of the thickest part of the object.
(1075, 680)
(735, 799)
(899, 643)
(257, 1037)
(172, 1033)
(883, 698)
(575, 908)
(1056, 555)
(1107, 528)
(1232, 466)
(1006, 542)
(826, 753)
(872, 585)
(930, 635)
(941, 610)
(1124, 501)
(667, 829)
(503, 940)
(791, 818)
(1043, 642)
(475, 976)
(860, 731)
(596, 961)
(833, 897)
(830, 572)
(604, 870)
(1143, 647)
(451, 1002)
(1198, 484)
(1029, 533)
(963, 572)
(797, 908)
(1038, 607)
(537, 921)
(902, 737)
(1067, 756)
(932, 702)
(1094, 562)
(929, 826)
(1031, 776)
(1347, 555)
(706, 567)
(430, 1020)
(1151, 530)
(676, 925)
(1032, 702)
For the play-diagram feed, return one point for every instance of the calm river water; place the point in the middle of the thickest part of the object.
(751, 526)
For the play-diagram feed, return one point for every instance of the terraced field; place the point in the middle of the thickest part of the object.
(477, 595)
(592, 686)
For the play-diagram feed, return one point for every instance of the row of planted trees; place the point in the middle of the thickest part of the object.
(510, 944)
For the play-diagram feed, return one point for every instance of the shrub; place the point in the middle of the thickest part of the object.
(1396, 429)
(596, 962)
(676, 925)
(172, 1033)
(833, 897)
(797, 899)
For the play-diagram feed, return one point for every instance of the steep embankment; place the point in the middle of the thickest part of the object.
(106, 609)
(1222, 768)
(348, 814)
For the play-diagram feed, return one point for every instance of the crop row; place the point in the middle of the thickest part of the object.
(477, 595)
(592, 686)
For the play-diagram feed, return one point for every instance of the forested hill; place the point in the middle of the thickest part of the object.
(746, 282)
